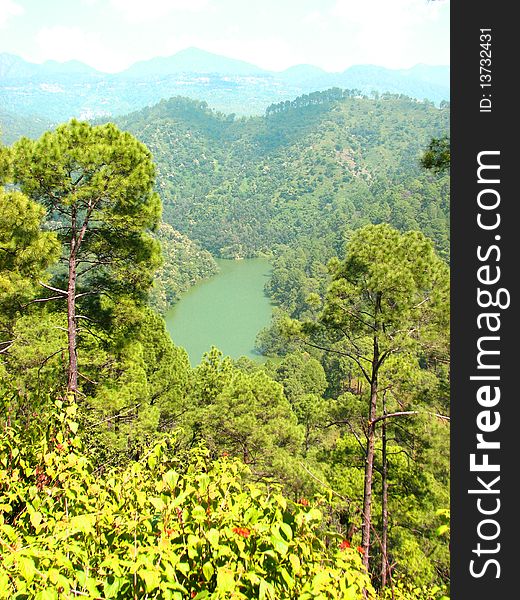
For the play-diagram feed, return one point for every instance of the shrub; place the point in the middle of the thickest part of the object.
(168, 526)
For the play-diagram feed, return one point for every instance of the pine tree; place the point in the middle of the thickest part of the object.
(388, 297)
(97, 186)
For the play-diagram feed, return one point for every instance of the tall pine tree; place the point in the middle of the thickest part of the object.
(97, 186)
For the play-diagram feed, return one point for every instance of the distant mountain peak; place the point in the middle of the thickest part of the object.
(13, 66)
(192, 60)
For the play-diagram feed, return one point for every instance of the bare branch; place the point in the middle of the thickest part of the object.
(341, 353)
(53, 289)
(125, 412)
(9, 344)
(352, 430)
(45, 360)
(42, 300)
(87, 379)
(326, 485)
(405, 413)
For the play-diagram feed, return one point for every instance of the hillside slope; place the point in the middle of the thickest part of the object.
(313, 168)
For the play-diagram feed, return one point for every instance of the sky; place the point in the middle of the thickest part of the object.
(110, 35)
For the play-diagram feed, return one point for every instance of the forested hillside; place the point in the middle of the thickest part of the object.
(314, 168)
(184, 264)
(323, 473)
(13, 126)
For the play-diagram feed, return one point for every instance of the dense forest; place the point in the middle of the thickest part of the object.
(314, 168)
(321, 473)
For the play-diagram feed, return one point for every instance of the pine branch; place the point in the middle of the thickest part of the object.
(405, 413)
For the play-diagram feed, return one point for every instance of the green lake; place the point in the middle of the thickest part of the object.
(226, 311)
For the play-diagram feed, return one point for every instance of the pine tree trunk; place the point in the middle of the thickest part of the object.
(384, 506)
(366, 524)
(72, 375)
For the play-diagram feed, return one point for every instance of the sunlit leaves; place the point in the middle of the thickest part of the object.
(182, 525)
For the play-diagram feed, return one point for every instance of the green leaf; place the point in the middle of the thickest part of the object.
(199, 514)
(5, 588)
(157, 503)
(152, 579)
(183, 567)
(279, 545)
(213, 537)
(111, 589)
(287, 530)
(287, 578)
(170, 478)
(313, 515)
(225, 580)
(295, 563)
(53, 575)
(266, 591)
(208, 570)
(48, 594)
(83, 523)
(27, 568)
(36, 518)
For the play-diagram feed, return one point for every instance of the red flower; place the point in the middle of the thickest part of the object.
(169, 532)
(193, 594)
(225, 454)
(360, 550)
(344, 544)
(242, 531)
(303, 501)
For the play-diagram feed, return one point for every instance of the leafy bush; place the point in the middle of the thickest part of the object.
(169, 527)
(405, 590)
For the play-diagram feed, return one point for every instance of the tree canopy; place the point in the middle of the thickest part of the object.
(97, 186)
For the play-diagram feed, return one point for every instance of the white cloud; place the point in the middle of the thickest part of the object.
(313, 17)
(68, 43)
(138, 11)
(390, 33)
(9, 9)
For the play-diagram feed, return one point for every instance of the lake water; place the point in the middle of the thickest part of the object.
(226, 311)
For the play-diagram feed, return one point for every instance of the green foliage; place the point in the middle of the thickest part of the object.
(242, 414)
(25, 253)
(391, 285)
(184, 264)
(25, 250)
(437, 156)
(139, 388)
(309, 171)
(133, 510)
(96, 182)
(403, 590)
(164, 527)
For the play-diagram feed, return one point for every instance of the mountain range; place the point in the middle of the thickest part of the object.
(55, 92)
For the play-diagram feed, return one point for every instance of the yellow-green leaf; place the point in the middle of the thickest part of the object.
(27, 568)
(208, 570)
(36, 518)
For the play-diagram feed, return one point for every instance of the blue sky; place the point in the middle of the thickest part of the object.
(274, 34)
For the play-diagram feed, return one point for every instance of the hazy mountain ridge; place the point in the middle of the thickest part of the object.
(59, 91)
